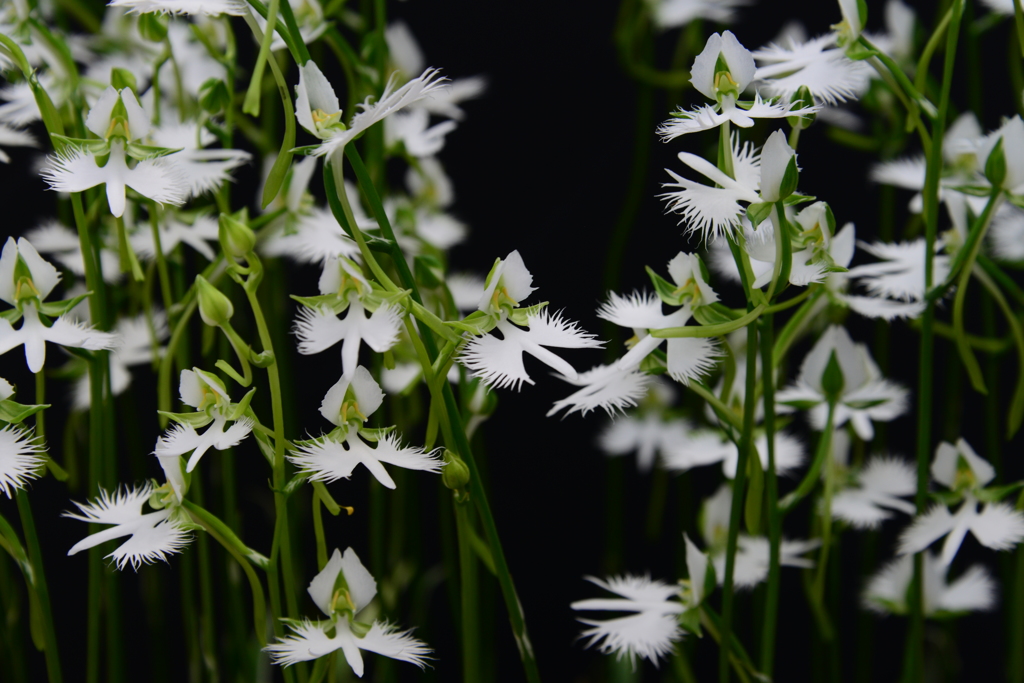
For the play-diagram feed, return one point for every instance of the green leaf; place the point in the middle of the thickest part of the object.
(666, 290)
(796, 198)
(214, 96)
(690, 621)
(15, 413)
(55, 309)
(758, 212)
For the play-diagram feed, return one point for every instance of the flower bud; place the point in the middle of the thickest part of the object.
(779, 173)
(236, 238)
(455, 474)
(215, 308)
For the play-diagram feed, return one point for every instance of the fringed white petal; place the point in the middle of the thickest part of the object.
(21, 457)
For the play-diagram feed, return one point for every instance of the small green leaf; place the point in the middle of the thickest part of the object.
(152, 27)
(758, 212)
(13, 412)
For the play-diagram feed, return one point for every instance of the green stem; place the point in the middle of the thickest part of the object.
(35, 556)
(810, 480)
(745, 448)
(1016, 412)
(771, 607)
(709, 330)
(469, 593)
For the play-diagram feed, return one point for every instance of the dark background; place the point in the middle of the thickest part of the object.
(541, 164)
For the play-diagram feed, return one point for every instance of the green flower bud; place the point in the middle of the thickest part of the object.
(995, 165)
(236, 238)
(455, 474)
(123, 78)
(832, 380)
(215, 308)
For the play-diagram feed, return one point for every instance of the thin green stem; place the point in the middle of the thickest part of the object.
(813, 475)
(469, 594)
(770, 624)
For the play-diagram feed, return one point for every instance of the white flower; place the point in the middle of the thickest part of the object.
(34, 334)
(210, 8)
(714, 210)
(174, 232)
(14, 137)
(649, 631)
(880, 485)
(996, 525)
(672, 13)
(310, 639)
(154, 535)
(849, 29)
(697, 447)
(319, 329)
(865, 394)
(75, 170)
(612, 387)
(318, 110)
(724, 87)
(900, 274)
(647, 434)
(974, 590)
(1006, 234)
(1005, 7)
(61, 243)
(20, 454)
(508, 283)
(412, 128)
(499, 362)
(828, 73)
(336, 455)
(203, 391)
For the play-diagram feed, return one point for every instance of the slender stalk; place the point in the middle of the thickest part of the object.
(469, 593)
(768, 630)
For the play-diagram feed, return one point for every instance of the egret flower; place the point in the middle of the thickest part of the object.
(21, 452)
(997, 525)
(153, 535)
(724, 86)
(673, 13)
(210, 8)
(816, 64)
(348, 404)
(886, 592)
(875, 491)
(342, 590)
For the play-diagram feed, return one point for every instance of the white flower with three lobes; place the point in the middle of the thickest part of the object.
(26, 279)
(120, 122)
(21, 453)
(870, 494)
(997, 525)
(347, 405)
(499, 361)
(864, 394)
(715, 210)
(896, 283)
(344, 289)
(753, 553)
(342, 590)
(649, 430)
(174, 230)
(621, 384)
(789, 64)
(153, 535)
(886, 592)
(319, 112)
(697, 447)
(721, 72)
(204, 170)
(205, 393)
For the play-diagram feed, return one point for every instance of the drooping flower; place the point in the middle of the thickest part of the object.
(153, 535)
(342, 590)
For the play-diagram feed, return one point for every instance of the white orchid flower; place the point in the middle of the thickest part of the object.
(875, 491)
(886, 592)
(210, 8)
(724, 88)
(204, 170)
(866, 396)
(342, 590)
(153, 535)
(816, 64)
(138, 337)
(21, 452)
(996, 525)
(674, 13)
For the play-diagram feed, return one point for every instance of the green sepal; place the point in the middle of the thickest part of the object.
(997, 493)
(1015, 199)
(476, 323)
(995, 165)
(195, 420)
(14, 412)
(713, 314)
(666, 290)
(858, 52)
(796, 199)
(305, 150)
(55, 309)
(789, 179)
(266, 448)
(242, 406)
(654, 364)
(801, 405)
(94, 147)
(428, 270)
(521, 316)
(11, 315)
(331, 301)
(374, 435)
(379, 244)
(295, 483)
(864, 405)
(758, 212)
(832, 380)
(973, 190)
(121, 78)
(214, 96)
(947, 498)
(690, 621)
(144, 152)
